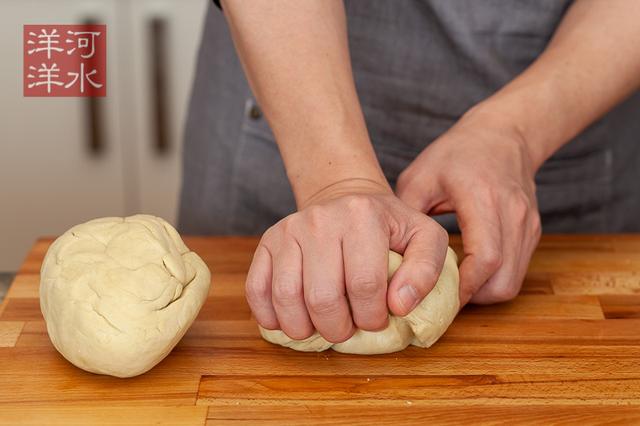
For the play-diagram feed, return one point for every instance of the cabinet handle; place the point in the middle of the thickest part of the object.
(95, 128)
(94, 114)
(158, 93)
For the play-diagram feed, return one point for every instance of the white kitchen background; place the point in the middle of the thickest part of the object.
(66, 160)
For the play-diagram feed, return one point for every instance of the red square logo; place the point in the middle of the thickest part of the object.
(65, 60)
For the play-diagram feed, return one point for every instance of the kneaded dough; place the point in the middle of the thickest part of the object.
(117, 294)
(421, 327)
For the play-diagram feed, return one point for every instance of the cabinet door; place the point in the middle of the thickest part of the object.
(49, 177)
(164, 39)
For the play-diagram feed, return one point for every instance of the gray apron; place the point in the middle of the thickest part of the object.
(418, 65)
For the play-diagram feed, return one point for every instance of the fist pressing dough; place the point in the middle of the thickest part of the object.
(421, 327)
(117, 294)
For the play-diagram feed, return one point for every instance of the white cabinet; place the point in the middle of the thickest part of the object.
(165, 35)
(50, 178)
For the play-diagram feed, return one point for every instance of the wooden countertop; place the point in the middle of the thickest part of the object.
(567, 350)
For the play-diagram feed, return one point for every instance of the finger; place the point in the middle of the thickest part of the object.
(288, 294)
(535, 231)
(482, 243)
(365, 268)
(424, 254)
(258, 289)
(421, 196)
(505, 284)
(324, 292)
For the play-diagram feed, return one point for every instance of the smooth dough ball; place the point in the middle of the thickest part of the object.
(421, 327)
(117, 294)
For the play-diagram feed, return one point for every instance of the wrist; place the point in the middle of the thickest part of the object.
(516, 124)
(347, 186)
(339, 164)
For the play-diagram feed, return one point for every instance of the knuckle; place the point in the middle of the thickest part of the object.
(441, 234)
(504, 293)
(364, 287)
(288, 225)
(323, 302)
(520, 206)
(490, 259)
(431, 229)
(273, 237)
(316, 217)
(536, 225)
(287, 291)
(359, 204)
(255, 292)
(269, 234)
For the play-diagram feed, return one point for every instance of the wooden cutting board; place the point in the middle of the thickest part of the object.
(567, 350)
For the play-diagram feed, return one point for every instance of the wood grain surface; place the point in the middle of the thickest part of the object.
(566, 351)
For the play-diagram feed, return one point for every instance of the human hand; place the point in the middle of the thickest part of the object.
(481, 170)
(324, 268)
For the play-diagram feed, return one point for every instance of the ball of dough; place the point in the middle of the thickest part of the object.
(117, 294)
(421, 327)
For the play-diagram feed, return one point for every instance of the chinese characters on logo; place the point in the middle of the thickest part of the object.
(65, 60)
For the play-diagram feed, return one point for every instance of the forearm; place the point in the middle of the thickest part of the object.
(591, 64)
(295, 55)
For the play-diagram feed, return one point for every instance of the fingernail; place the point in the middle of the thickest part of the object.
(408, 297)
